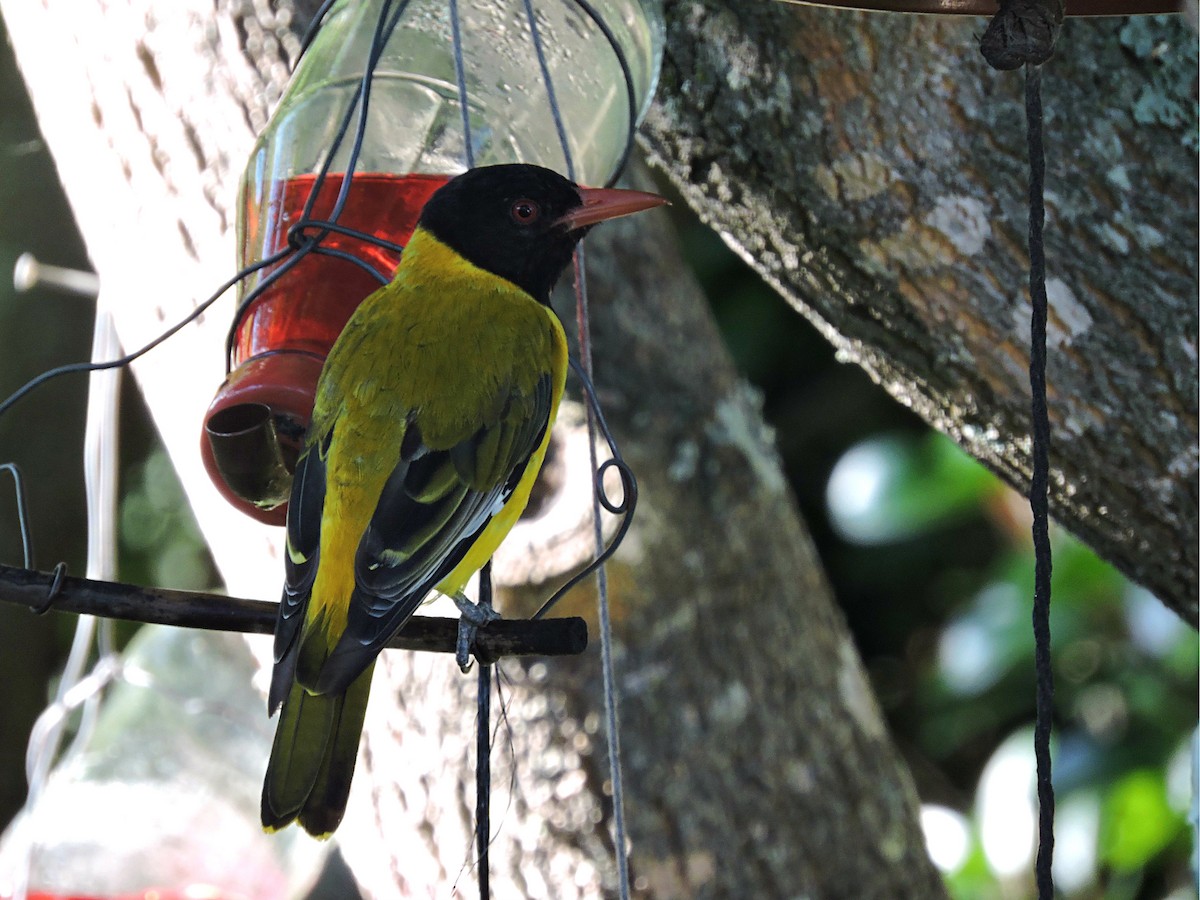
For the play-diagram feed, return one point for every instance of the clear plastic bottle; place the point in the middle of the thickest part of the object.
(414, 140)
(160, 799)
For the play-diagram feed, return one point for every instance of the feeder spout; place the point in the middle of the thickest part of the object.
(248, 454)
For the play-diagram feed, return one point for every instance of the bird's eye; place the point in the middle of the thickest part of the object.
(525, 212)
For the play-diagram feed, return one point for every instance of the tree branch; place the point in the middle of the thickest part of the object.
(873, 170)
(188, 609)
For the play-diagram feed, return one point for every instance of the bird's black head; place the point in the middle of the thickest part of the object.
(505, 219)
(522, 222)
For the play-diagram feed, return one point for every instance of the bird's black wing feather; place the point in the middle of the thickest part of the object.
(431, 511)
(302, 549)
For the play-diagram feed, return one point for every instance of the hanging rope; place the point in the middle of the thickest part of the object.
(1039, 487)
(1023, 33)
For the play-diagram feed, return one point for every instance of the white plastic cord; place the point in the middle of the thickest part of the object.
(76, 689)
(100, 448)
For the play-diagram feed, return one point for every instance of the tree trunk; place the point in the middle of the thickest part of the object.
(756, 761)
(873, 169)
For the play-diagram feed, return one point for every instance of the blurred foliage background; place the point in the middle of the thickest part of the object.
(927, 552)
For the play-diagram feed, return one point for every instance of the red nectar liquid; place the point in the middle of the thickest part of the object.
(307, 308)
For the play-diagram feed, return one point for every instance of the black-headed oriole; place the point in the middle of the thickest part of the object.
(432, 416)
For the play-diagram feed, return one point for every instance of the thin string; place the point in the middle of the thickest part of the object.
(120, 362)
(460, 76)
(611, 714)
(555, 111)
(1039, 484)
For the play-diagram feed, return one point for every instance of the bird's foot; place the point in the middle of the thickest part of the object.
(473, 617)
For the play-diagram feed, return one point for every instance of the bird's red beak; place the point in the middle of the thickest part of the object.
(600, 204)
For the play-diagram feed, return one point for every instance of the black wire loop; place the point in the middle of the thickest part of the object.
(629, 493)
(56, 583)
(300, 229)
(22, 513)
(626, 474)
(630, 88)
(299, 242)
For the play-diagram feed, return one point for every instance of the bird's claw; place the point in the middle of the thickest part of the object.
(473, 617)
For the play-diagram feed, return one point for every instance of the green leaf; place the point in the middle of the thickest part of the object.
(893, 487)
(1138, 822)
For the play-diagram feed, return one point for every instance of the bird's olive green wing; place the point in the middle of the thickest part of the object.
(431, 511)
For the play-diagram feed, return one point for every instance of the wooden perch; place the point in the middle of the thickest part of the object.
(189, 609)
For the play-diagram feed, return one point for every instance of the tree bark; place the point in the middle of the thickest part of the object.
(757, 763)
(873, 169)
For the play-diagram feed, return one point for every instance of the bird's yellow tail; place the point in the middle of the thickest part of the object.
(312, 759)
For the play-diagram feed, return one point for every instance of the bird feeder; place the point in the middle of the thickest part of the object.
(371, 124)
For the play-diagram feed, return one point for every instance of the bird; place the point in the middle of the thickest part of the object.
(431, 420)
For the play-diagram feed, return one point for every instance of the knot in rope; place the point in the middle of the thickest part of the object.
(1023, 31)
